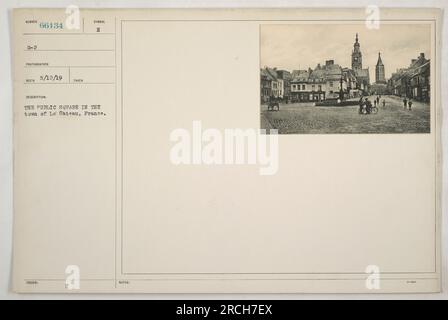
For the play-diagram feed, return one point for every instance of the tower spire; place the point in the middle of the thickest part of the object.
(380, 75)
(379, 62)
(356, 54)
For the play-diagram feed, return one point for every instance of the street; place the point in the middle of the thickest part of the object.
(306, 118)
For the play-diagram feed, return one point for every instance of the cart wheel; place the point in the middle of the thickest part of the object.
(374, 110)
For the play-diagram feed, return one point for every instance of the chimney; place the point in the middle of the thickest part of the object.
(422, 55)
(329, 62)
(413, 61)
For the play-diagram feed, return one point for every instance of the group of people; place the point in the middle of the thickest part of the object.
(365, 104)
(407, 103)
(376, 101)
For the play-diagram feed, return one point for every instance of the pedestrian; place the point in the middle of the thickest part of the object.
(361, 104)
(368, 106)
(384, 103)
(375, 102)
(405, 102)
(378, 100)
(410, 104)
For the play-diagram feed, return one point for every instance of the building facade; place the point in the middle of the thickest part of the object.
(328, 81)
(275, 84)
(305, 87)
(414, 81)
(284, 79)
(265, 86)
(419, 83)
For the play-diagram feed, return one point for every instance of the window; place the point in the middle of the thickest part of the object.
(303, 87)
(331, 83)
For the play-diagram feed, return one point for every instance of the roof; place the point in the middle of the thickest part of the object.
(362, 73)
(379, 62)
(318, 74)
(264, 73)
(272, 73)
(327, 72)
(418, 62)
(415, 71)
(283, 74)
(300, 75)
(417, 67)
(349, 72)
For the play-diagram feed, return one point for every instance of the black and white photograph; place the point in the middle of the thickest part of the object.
(223, 159)
(345, 78)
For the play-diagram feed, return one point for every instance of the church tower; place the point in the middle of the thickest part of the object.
(379, 71)
(356, 55)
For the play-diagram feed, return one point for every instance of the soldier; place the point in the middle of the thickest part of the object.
(410, 104)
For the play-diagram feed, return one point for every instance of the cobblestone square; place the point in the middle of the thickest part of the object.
(305, 118)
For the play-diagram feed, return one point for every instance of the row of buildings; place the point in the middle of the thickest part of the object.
(328, 81)
(412, 82)
(332, 82)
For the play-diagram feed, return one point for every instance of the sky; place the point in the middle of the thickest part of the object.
(301, 46)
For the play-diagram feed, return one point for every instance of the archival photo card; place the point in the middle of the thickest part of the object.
(345, 78)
